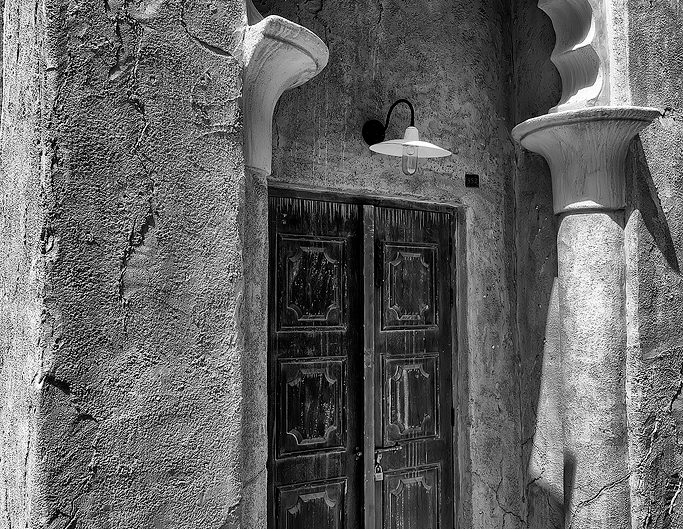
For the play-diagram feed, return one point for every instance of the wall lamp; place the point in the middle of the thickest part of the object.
(409, 148)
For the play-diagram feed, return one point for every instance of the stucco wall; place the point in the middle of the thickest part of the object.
(124, 370)
(136, 375)
(536, 89)
(654, 246)
(452, 60)
(22, 258)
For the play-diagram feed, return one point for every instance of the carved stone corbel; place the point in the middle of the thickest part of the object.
(586, 151)
(577, 54)
(278, 55)
(587, 52)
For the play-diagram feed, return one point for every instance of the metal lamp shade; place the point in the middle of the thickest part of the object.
(410, 138)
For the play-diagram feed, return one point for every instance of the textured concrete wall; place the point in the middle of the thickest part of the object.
(591, 278)
(254, 359)
(654, 246)
(129, 234)
(452, 59)
(537, 89)
(22, 257)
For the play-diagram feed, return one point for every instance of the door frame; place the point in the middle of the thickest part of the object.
(459, 347)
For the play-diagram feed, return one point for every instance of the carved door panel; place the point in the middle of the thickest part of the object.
(315, 354)
(359, 366)
(412, 369)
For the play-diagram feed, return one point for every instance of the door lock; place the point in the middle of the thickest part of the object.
(379, 473)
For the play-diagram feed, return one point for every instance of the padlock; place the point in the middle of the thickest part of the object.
(379, 473)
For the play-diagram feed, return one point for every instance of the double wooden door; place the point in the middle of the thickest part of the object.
(360, 387)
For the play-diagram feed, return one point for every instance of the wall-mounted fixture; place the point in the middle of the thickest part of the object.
(409, 148)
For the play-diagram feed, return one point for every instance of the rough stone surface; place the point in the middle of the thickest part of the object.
(536, 90)
(591, 272)
(129, 235)
(254, 362)
(23, 256)
(654, 249)
(132, 333)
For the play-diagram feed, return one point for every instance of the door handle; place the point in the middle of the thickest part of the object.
(396, 448)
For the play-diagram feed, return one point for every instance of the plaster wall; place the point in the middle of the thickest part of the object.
(452, 60)
(121, 264)
(22, 257)
(537, 88)
(654, 249)
(131, 398)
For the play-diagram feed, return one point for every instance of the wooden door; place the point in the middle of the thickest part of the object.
(315, 393)
(359, 365)
(412, 369)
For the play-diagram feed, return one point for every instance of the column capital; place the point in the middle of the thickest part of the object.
(586, 151)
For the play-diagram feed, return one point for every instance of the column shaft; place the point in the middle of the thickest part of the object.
(593, 344)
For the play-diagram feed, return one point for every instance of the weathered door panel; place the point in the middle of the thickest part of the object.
(413, 387)
(359, 366)
(315, 352)
(312, 506)
(411, 499)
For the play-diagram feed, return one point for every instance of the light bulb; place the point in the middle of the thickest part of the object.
(409, 159)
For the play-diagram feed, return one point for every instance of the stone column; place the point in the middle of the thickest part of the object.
(586, 151)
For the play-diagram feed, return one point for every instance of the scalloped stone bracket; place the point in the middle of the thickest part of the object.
(581, 53)
(586, 151)
(278, 55)
(590, 52)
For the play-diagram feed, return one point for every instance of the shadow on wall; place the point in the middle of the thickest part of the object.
(569, 474)
(646, 200)
(656, 183)
(538, 88)
(546, 470)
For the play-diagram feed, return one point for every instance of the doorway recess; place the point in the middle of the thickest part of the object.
(360, 356)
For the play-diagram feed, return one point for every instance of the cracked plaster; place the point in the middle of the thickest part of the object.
(134, 388)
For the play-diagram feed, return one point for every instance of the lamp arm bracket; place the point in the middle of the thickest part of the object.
(391, 108)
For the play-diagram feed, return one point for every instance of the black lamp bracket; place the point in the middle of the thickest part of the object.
(374, 131)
